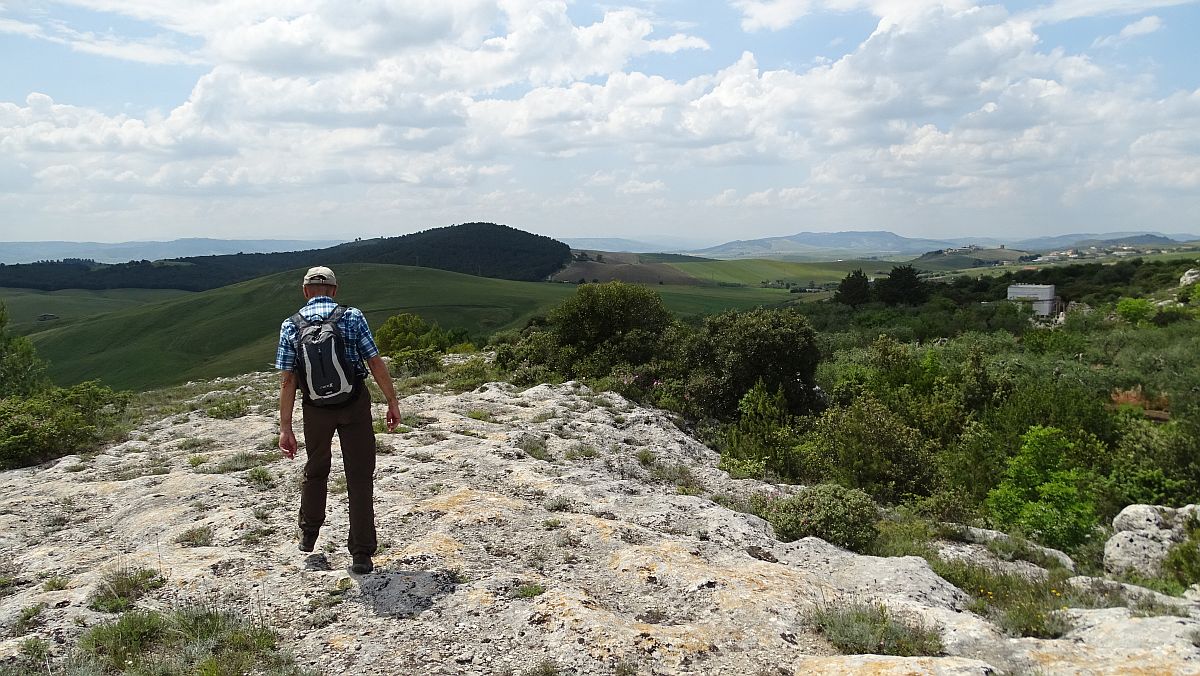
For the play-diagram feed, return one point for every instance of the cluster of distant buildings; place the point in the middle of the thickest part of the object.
(1119, 251)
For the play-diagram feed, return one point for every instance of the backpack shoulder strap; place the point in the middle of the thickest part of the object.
(300, 322)
(336, 314)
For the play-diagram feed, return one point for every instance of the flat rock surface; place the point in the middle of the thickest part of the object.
(516, 526)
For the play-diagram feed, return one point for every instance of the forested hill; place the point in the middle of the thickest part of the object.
(482, 249)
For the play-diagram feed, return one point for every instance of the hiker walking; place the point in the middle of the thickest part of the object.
(326, 350)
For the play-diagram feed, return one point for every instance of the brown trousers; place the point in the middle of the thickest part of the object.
(353, 425)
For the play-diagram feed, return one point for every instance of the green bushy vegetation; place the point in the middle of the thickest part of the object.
(958, 410)
(872, 629)
(40, 422)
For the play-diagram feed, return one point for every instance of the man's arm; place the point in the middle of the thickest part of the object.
(287, 401)
(379, 371)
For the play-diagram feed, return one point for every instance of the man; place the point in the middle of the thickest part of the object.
(351, 419)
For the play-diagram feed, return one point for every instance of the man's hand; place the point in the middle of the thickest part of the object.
(393, 415)
(287, 443)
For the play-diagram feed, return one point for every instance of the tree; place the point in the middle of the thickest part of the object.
(902, 287)
(22, 372)
(1135, 310)
(854, 290)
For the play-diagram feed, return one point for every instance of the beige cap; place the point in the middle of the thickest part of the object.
(320, 275)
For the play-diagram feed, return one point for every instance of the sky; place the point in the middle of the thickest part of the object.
(701, 121)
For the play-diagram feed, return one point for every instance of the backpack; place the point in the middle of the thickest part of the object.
(327, 375)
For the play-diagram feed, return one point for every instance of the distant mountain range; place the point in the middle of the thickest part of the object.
(122, 252)
(647, 245)
(883, 243)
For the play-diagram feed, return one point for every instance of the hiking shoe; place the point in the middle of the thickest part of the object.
(307, 542)
(362, 564)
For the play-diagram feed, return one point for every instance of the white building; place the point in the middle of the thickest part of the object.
(1040, 296)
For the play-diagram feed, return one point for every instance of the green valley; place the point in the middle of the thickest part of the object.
(233, 329)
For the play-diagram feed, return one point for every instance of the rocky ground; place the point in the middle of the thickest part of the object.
(516, 527)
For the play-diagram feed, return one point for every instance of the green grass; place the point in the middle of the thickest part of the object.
(753, 271)
(122, 587)
(233, 329)
(871, 629)
(73, 305)
(187, 640)
(200, 536)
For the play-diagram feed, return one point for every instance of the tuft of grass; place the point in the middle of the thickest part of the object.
(1020, 606)
(197, 460)
(582, 452)
(559, 504)
(55, 583)
(254, 536)
(35, 650)
(226, 410)
(200, 536)
(29, 618)
(262, 513)
(551, 524)
(645, 457)
(535, 447)
(528, 591)
(544, 668)
(686, 483)
(195, 443)
(338, 485)
(480, 415)
(188, 640)
(625, 668)
(242, 461)
(871, 629)
(260, 477)
(122, 587)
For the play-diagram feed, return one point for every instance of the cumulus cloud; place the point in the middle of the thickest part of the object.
(1144, 26)
(511, 110)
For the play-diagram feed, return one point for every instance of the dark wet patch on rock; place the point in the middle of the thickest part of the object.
(405, 593)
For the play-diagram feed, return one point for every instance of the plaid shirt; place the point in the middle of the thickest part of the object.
(360, 345)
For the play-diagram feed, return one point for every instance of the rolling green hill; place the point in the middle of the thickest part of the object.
(72, 305)
(233, 329)
(753, 271)
(483, 249)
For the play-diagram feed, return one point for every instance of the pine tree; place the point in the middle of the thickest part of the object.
(854, 290)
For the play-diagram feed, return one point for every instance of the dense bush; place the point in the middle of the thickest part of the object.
(407, 331)
(866, 446)
(21, 371)
(1046, 492)
(842, 516)
(734, 350)
(56, 422)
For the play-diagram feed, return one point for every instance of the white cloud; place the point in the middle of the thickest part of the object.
(1066, 10)
(635, 187)
(1144, 26)
(429, 112)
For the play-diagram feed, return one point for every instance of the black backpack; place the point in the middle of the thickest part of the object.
(327, 377)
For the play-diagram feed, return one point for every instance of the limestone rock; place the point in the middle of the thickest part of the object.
(1145, 534)
(516, 526)
(1190, 277)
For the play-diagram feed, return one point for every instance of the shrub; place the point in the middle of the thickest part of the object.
(228, 409)
(1183, 559)
(200, 536)
(866, 446)
(760, 440)
(22, 372)
(57, 422)
(469, 375)
(528, 591)
(610, 324)
(1135, 310)
(841, 516)
(735, 350)
(1042, 494)
(871, 629)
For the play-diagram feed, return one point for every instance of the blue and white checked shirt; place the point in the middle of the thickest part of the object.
(360, 345)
